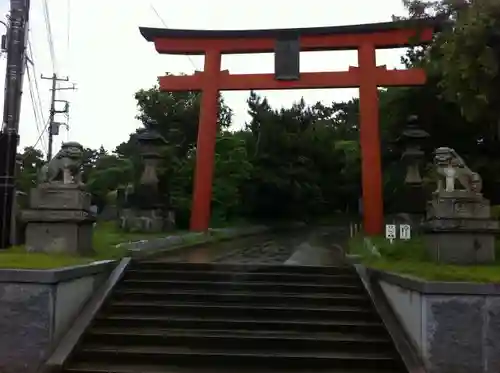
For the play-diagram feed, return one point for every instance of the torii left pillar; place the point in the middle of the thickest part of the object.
(205, 148)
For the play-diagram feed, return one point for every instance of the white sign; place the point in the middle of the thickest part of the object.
(405, 231)
(390, 232)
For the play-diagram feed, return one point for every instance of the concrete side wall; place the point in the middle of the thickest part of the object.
(407, 305)
(455, 333)
(70, 297)
(26, 317)
(35, 315)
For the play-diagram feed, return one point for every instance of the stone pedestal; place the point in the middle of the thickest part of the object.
(459, 230)
(59, 220)
(146, 220)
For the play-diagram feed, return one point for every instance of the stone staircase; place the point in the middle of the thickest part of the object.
(180, 318)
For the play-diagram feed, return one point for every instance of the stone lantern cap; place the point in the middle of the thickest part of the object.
(413, 130)
(149, 141)
(145, 135)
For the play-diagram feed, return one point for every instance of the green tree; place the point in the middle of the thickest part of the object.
(295, 161)
(470, 64)
(109, 172)
(459, 105)
(31, 161)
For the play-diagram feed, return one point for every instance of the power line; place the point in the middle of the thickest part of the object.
(166, 26)
(68, 33)
(37, 111)
(33, 101)
(32, 56)
(37, 101)
(49, 34)
(42, 133)
(68, 26)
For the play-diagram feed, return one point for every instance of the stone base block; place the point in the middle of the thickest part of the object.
(60, 237)
(458, 204)
(461, 248)
(59, 196)
(152, 221)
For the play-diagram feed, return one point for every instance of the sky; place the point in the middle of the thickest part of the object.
(97, 45)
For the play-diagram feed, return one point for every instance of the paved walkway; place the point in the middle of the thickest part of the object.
(267, 249)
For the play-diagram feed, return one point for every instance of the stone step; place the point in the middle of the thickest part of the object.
(202, 323)
(261, 287)
(242, 340)
(215, 357)
(92, 367)
(220, 276)
(240, 297)
(208, 318)
(242, 268)
(160, 308)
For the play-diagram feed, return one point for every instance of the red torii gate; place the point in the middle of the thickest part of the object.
(368, 76)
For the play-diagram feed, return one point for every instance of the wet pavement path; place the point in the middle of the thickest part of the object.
(271, 250)
(263, 249)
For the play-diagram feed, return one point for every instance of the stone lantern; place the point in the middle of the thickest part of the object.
(150, 143)
(144, 210)
(413, 138)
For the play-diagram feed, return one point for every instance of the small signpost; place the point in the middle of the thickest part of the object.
(405, 231)
(391, 232)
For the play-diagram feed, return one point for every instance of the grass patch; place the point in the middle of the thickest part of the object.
(411, 258)
(105, 240)
(18, 258)
(106, 237)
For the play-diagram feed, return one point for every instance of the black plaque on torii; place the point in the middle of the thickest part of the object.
(287, 57)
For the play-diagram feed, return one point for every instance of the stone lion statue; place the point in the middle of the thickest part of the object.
(65, 166)
(450, 168)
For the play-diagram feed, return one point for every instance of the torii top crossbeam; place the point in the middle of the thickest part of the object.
(382, 35)
(376, 36)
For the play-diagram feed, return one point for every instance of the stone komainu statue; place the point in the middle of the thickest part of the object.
(65, 166)
(449, 165)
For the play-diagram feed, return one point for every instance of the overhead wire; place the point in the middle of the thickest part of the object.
(35, 95)
(50, 39)
(68, 27)
(34, 104)
(37, 89)
(68, 51)
(41, 134)
(166, 26)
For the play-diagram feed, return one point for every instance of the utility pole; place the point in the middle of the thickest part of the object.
(15, 46)
(54, 126)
